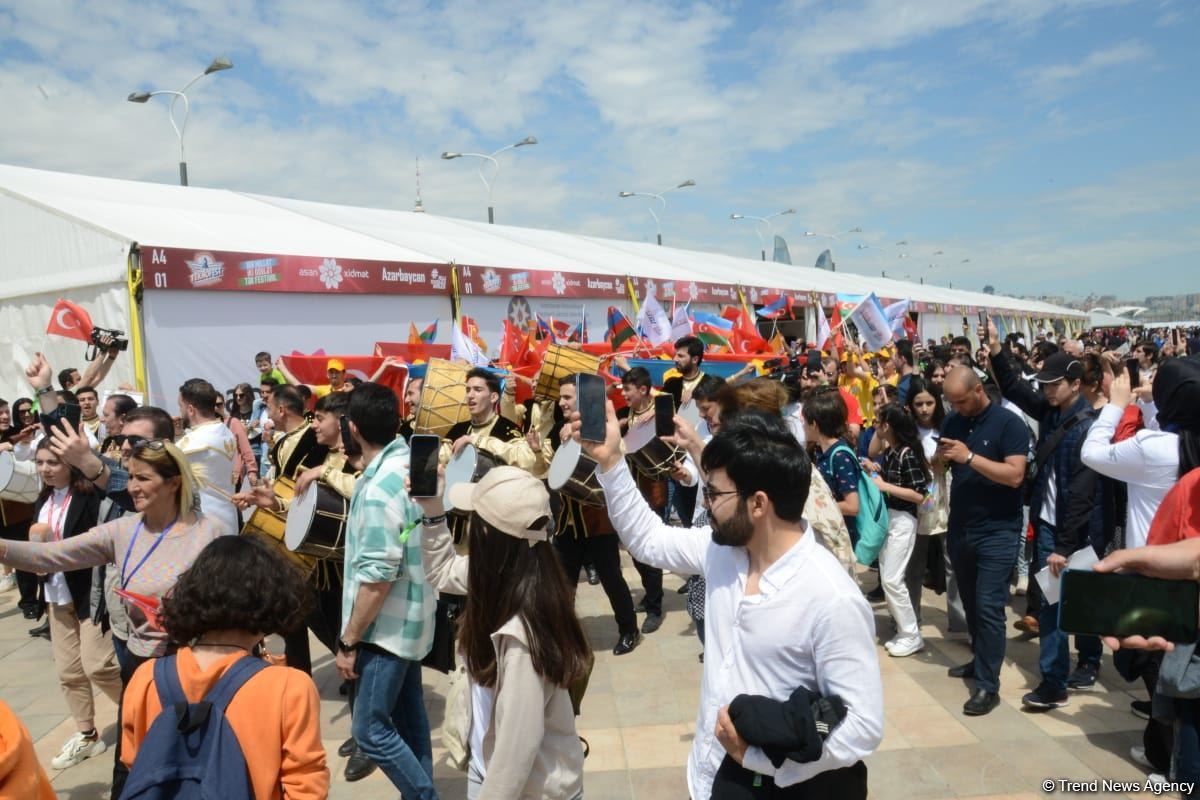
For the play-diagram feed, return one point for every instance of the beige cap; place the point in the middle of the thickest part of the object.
(509, 499)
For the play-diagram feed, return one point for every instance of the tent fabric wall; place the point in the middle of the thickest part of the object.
(934, 326)
(218, 337)
(44, 256)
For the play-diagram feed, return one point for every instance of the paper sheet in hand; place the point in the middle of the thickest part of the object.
(1051, 586)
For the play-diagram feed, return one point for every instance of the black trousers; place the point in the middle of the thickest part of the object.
(685, 502)
(324, 619)
(28, 585)
(652, 579)
(604, 552)
(734, 782)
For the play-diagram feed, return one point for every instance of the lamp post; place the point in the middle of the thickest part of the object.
(219, 63)
(763, 221)
(490, 159)
(660, 198)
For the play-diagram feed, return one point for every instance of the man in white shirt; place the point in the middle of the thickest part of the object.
(780, 611)
(211, 450)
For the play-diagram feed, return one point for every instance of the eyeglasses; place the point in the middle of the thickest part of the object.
(711, 494)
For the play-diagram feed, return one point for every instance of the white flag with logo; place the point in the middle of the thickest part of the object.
(822, 327)
(463, 348)
(896, 313)
(654, 321)
(681, 324)
(872, 322)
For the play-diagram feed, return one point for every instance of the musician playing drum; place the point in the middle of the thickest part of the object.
(585, 530)
(487, 430)
(295, 448)
(638, 389)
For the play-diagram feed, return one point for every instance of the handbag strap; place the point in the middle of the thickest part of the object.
(1052, 441)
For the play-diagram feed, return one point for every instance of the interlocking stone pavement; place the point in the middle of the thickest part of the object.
(640, 709)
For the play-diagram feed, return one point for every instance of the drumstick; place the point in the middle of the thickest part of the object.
(217, 489)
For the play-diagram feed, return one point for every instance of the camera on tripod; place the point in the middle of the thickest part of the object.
(117, 341)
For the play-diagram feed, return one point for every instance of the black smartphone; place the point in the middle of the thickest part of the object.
(70, 412)
(1114, 604)
(1135, 372)
(423, 464)
(812, 362)
(590, 398)
(983, 320)
(966, 325)
(349, 446)
(664, 415)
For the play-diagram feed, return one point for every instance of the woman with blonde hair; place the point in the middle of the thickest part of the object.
(150, 549)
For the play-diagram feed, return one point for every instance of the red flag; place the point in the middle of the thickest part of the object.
(835, 325)
(513, 345)
(71, 321)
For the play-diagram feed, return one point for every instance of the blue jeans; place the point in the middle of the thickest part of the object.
(390, 724)
(1055, 652)
(1185, 764)
(983, 562)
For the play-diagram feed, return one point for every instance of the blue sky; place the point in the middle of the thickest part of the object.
(1051, 144)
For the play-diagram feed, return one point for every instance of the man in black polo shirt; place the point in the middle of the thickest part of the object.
(986, 447)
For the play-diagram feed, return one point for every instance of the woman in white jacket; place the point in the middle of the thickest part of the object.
(518, 637)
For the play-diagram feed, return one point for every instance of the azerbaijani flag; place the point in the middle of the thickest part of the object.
(619, 329)
(544, 330)
(712, 320)
(429, 335)
(711, 335)
(782, 304)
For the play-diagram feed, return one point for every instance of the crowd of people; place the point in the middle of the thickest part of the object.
(791, 500)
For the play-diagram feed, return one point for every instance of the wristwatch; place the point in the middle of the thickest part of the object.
(44, 390)
(346, 648)
(970, 458)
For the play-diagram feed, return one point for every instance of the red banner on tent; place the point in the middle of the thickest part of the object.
(177, 269)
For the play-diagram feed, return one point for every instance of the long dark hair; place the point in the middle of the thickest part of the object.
(507, 578)
(904, 432)
(78, 484)
(919, 385)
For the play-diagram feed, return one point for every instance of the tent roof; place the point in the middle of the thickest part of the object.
(219, 219)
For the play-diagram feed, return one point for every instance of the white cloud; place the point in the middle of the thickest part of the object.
(1051, 80)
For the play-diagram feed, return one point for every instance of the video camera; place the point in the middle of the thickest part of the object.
(98, 346)
(789, 370)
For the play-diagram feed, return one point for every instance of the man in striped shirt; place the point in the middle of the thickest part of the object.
(387, 606)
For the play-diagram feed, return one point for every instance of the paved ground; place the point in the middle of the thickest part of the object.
(639, 716)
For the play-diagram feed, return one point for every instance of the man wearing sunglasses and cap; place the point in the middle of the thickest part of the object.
(1071, 505)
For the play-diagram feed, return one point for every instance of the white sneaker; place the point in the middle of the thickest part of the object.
(901, 648)
(1155, 779)
(1022, 586)
(1138, 755)
(77, 750)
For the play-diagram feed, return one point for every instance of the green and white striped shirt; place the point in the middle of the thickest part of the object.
(383, 545)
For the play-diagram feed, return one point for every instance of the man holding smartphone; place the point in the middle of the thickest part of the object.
(1070, 506)
(986, 448)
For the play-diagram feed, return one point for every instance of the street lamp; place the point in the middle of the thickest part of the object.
(763, 221)
(490, 159)
(219, 63)
(660, 198)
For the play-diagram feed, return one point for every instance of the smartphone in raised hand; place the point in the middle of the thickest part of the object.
(664, 415)
(423, 464)
(1134, 370)
(591, 400)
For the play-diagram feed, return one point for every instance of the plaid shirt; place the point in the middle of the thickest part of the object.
(383, 545)
(903, 468)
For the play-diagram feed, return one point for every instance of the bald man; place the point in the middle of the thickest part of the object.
(985, 447)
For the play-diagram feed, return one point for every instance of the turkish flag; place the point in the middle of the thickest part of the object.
(71, 321)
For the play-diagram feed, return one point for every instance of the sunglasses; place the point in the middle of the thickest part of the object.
(140, 444)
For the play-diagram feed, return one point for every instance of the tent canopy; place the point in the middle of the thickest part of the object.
(217, 219)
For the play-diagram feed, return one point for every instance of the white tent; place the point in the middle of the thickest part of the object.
(220, 275)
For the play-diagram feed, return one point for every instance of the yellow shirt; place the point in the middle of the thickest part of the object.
(863, 390)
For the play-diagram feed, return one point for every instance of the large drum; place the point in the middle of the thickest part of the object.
(271, 526)
(316, 523)
(558, 363)
(573, 473)
(443, 398)
(468, 466)
(19, 481)
(651, 456)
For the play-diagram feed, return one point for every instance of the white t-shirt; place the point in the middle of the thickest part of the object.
(54, 513)
(211, 450)
(483, 700)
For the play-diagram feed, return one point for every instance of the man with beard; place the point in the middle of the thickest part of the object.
(210, 448)
(295, 448)
(689, 355)
(781, 612)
